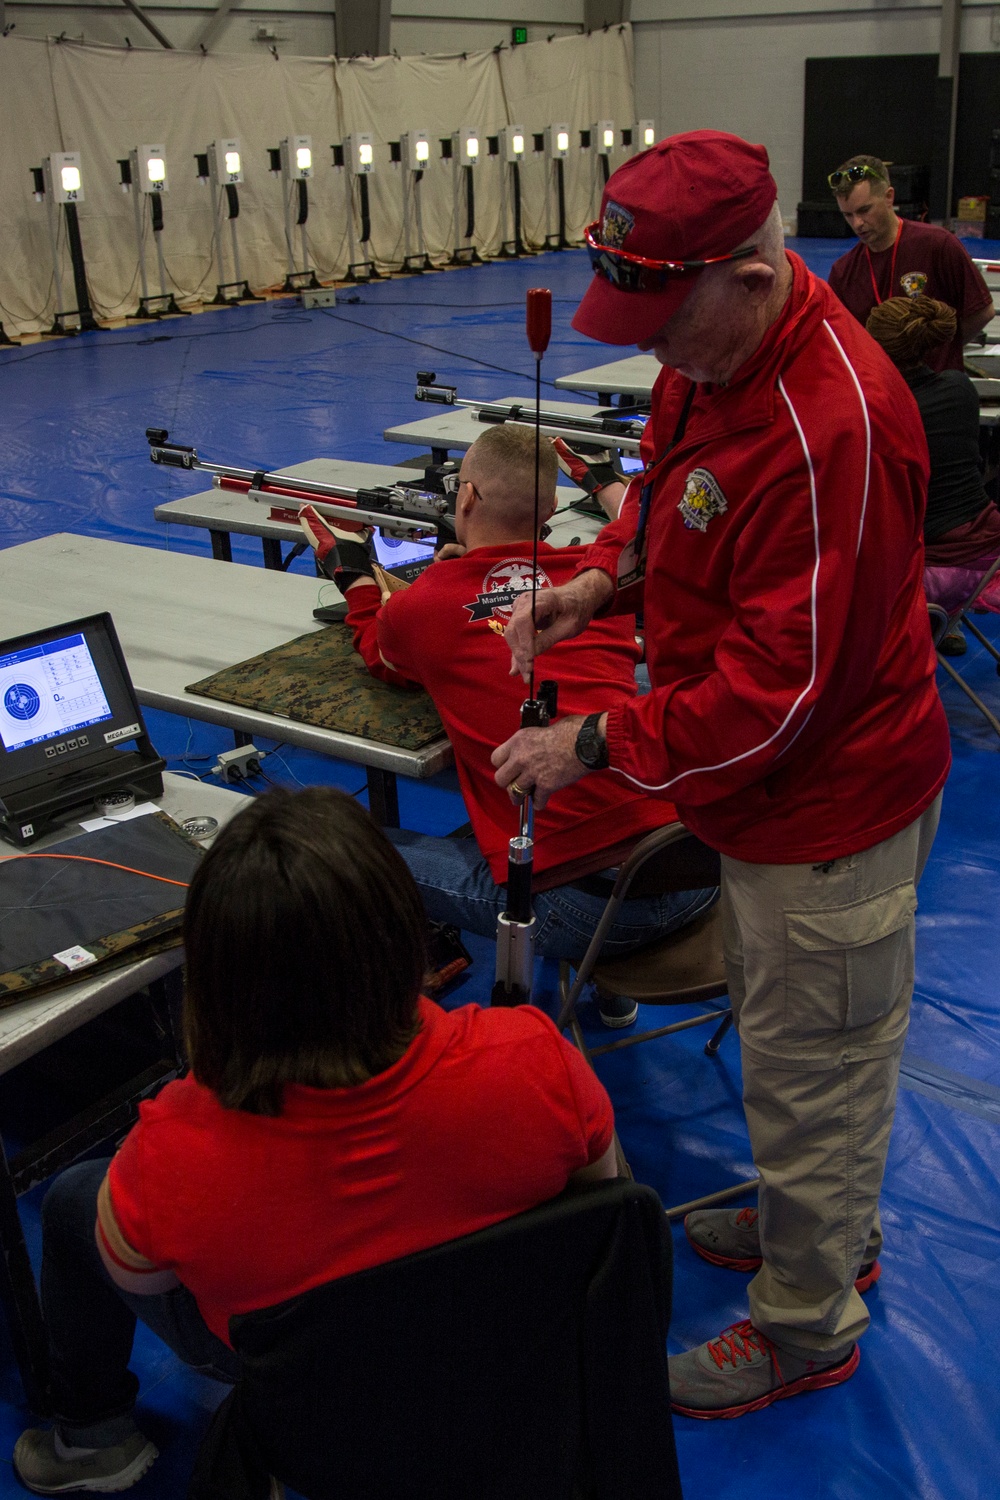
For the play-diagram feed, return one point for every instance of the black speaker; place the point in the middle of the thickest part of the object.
(823, 221)
(912, 184)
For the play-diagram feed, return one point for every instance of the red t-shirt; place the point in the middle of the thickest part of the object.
(486, 1115)
(446, 632)
(929, 261)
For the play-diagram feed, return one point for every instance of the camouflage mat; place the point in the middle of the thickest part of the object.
(48, 907)
(319, 679)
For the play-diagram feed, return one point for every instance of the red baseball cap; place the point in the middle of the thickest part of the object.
(690, 197)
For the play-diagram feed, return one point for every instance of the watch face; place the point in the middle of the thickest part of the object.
(591, 750)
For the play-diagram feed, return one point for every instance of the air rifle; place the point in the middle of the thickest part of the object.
(410, 512)
(605, 428)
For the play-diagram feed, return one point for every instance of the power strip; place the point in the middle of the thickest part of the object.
(238, 764)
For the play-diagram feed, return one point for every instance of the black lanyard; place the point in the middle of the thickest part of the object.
(646, 493)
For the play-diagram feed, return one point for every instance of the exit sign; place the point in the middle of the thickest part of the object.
(518, 35)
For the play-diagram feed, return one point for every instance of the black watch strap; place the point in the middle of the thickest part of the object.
(591, 746)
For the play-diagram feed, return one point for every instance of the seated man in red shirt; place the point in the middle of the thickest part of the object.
(310, 1062)
(445, 632)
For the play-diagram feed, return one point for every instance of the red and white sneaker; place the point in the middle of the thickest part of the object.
(742, 1371)
(729, 1237)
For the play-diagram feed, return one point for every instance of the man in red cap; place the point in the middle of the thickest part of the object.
(773, 546)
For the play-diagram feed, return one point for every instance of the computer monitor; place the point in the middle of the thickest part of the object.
(70, 725)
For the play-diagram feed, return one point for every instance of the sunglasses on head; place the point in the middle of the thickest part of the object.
(849, 176)
(637, 273)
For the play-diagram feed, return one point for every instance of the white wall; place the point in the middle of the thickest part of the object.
(472, 25)
(713, 63)
(301, 28)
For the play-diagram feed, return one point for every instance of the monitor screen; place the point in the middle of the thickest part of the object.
(630, 463)
(48, 690)
(66, 703)
(392, 551)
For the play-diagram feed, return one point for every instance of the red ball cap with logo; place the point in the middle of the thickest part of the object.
(690, 197)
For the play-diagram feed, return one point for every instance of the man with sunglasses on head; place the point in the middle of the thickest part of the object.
(773, 546)
(900, 257)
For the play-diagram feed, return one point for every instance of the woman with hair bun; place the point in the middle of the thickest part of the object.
(961, 524)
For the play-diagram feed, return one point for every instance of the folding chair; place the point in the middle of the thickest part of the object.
(684, 967)
(942, 621)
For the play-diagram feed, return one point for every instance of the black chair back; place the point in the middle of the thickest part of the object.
(525, 1362)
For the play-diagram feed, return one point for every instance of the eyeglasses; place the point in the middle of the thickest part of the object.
(637, 273)
(852, 175)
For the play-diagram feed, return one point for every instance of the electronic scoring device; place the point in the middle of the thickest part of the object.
(71, 730)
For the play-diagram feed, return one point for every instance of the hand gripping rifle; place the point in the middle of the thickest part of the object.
(516, 926)
(606, 428)
(411, 512)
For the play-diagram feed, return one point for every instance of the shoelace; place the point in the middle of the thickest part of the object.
(742, 1341)
(747, 1216)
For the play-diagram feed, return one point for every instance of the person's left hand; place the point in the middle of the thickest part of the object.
(541, 759)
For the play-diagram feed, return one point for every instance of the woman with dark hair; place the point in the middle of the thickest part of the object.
(961, 524)
(333, 1119)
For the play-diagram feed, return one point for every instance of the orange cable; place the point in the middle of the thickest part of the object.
(87, 859)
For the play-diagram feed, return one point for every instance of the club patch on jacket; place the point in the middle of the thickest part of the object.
(913, 283)
(502, 587)
(702, 499)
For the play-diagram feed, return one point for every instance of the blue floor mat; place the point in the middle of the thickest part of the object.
(274, 384)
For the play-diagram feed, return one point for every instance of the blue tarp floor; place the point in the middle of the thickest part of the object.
(274, 384)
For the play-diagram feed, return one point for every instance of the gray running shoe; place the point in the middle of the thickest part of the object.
(729, 1237)
(742, 1371)
(101, 1471)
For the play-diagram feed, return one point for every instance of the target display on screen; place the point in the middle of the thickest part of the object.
(49, 690)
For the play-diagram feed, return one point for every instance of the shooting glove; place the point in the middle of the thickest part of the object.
(592, 472)
(343, 550)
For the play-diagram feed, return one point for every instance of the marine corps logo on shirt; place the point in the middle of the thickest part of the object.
(502, 587)
(913, 283)
(702, 499)
(615, 225)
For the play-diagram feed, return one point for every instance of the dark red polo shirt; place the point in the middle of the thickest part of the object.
(928, 261)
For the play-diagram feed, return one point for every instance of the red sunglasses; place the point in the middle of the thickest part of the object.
(637, 273)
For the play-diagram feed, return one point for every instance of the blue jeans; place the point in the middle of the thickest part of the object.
(457, 887)
(91, 1322)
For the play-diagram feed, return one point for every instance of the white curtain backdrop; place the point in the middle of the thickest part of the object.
(103, 101)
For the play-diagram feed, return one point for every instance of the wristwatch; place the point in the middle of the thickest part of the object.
(591, 746)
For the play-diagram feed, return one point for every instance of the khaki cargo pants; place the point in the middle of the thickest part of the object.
(820, 966)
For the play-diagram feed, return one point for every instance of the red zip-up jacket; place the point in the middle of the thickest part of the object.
(795, 715)
(446, 633)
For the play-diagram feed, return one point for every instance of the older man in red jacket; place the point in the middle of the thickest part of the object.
(774, 547)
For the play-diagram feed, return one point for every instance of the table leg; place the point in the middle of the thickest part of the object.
(20, 1298)
(222, 547)
(272, 552)
(383, 797)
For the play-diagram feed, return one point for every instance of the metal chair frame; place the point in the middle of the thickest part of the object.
(656, 843)
(942, 621)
